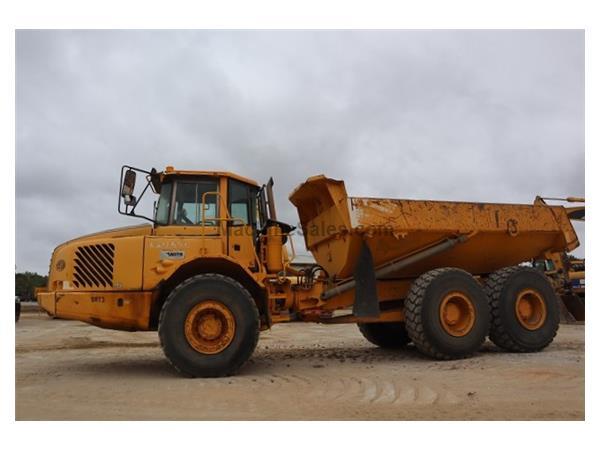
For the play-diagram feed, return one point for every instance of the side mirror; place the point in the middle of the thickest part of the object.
(127, 201)
(128, 187)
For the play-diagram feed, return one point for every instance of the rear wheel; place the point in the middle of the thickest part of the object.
(447, 314)
(385, 334)
(208, 326)
(525, 310)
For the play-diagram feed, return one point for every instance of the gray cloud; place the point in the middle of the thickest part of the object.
(457, 115)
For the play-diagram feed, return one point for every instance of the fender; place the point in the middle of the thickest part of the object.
(223, 265)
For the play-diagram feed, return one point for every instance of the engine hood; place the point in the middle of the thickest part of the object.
(133, 230)
(106, 260)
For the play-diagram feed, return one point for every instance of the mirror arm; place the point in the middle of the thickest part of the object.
(139, 198)
(131, 212)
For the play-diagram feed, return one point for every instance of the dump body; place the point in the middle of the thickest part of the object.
(498, 235)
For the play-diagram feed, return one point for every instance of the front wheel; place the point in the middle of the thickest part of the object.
(208, 326)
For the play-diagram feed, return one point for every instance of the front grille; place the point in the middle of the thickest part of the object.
(94, 265)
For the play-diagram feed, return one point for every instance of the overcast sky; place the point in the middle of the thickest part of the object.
(494, 116)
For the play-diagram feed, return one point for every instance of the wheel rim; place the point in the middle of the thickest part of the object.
(210, 327)
(457, 314)
(530, 309)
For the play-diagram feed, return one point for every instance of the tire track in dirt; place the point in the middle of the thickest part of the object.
(82, 343)
(353, 389)
(384, 391)
(318, 386)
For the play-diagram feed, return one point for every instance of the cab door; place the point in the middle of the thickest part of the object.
(189, 227)
(242, 228)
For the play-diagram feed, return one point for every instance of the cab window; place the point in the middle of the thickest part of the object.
(188, 207)
(164, 204)
(242, 203)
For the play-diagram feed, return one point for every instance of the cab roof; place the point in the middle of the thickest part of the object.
(170, 171)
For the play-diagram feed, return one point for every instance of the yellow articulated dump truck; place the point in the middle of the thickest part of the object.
(213, 268)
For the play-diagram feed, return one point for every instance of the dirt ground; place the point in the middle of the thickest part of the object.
(70, 370)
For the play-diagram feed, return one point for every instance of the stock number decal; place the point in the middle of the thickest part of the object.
(172, 254)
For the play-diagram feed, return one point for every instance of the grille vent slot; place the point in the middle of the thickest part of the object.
(94, 265)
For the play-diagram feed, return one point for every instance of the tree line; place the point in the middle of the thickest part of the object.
(26, 282)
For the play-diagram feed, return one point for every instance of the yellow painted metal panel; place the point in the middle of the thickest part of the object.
(46, 300)
(98, 270)
(116, 310)
(128, 263)
(163, 255)
(241, 245)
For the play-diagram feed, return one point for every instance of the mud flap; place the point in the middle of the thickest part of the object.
(575, 307)
(366, 303)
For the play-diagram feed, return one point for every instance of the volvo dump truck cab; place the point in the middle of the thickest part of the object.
(212, 234)
(212, 269)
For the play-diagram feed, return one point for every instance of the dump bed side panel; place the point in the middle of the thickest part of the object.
(501, 234)
(425, 215)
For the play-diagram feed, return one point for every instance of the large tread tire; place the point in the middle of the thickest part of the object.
(184, 358)
(385, 334)
(422, 313)
(506, 332)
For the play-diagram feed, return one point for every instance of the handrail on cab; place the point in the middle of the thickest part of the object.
(227, 218)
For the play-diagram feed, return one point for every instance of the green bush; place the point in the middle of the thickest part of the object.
(25, 284)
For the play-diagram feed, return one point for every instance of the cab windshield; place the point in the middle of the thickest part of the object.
(181, 202)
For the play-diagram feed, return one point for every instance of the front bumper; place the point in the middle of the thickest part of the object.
(47, 302)
(115, 310)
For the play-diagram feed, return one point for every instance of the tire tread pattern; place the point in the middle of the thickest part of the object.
(499, 335)
(412, 310)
